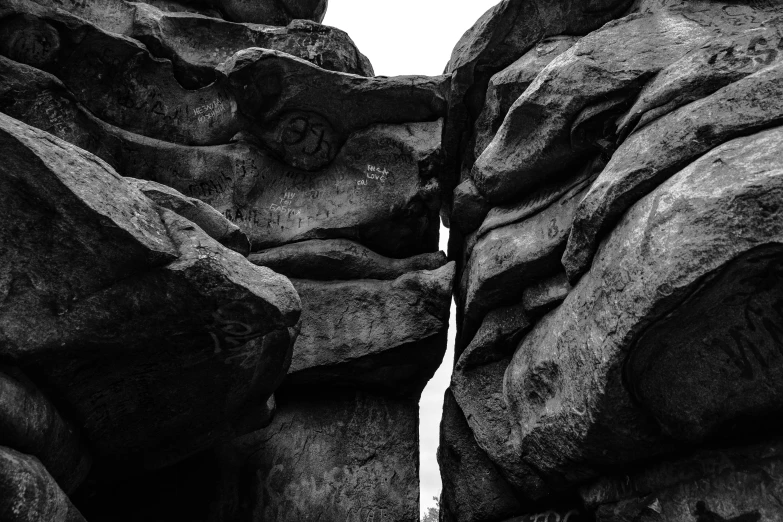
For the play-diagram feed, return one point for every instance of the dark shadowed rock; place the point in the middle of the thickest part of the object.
(197, 44)
(469, 207)
(29, 423)
(508, 259)
(501, 36)
(335, 259)
(677, 251)
(473, 489)
(270, 94)
(668, 144)
(29, 494)
(348, 456)
(132, 315)
(207, 218)
(569, 109)
(499, 333)
(545, 294)
(509, 84)
(345, 324)
(372, 193)
(735, 484)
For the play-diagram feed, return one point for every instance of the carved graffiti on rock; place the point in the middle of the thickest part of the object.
(29, 41)
(306, 140)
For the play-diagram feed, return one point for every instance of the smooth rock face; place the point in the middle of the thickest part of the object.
(348, 456)
(29, 494)
(371, 193)
(345, 324)
(99, 311)
(340, 259)
(663, 147)
(565, 112)
(686, 240)
(473, 489)
(30, 423)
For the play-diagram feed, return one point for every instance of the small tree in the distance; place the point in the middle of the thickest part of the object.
(432, 512)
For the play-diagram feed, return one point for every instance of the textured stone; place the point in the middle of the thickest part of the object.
(372, 193)
(29, 423)
(131, 315)
(473, 489)
(569, 108)
(348, 456)
(738, 484)
(508, 259)
(679, 250)
(210, 220)
(509, 84)
(373, 333)
(651, 155)
(469, 207)
(340, 259)
(29, 494)
(197, 44)
(545, 294)
(499, 333)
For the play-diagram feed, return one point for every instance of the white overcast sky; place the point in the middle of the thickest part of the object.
(413, 37)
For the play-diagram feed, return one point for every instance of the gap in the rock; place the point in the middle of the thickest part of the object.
(414, 37)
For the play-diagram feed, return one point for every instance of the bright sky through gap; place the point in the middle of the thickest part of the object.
(413, 37)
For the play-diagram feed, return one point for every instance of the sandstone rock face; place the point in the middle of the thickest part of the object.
(627, 188)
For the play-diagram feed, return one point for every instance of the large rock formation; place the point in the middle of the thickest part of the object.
(619, 246)
(162, 159)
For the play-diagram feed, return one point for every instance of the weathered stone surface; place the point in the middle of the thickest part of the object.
(509, 84)
(270, 94)
(210, 220)
(132, 315)
(340, 259)
(553, 515)
(29, 494)
(469, 207)
(568, 109)
(348, 456)
(680, 249)
(740, 484)
(666, 145)
(29, 423)
(499, 333)
(346, 324)
(545, 294)
(473, 489)
(197, 44)
(275, 12)
(508, 259)
(371, 193)
(501, 36)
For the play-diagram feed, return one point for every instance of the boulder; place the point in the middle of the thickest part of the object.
(508, 259)
(370, 333)
(340, 259)
(692, 265)
(212, 222)
(502, 35)
(380, 189)
(738, 484)
(129, 314)
(509, 84)
(341, 456)
(499, 333)
(469, 207)
(545, 294)
(295, 107)
(473, 489)
(29, 494)
(196, 44)
(568, 110)
(29, 423)
(660, 149)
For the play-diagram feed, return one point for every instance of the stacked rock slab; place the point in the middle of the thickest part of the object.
(244, 154)
(619, 246)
